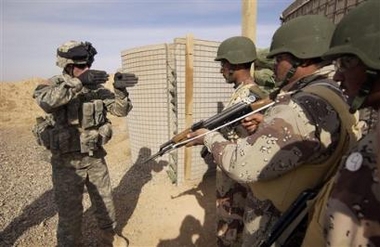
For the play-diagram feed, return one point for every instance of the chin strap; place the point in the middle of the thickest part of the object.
(364, 91)
(289, 75)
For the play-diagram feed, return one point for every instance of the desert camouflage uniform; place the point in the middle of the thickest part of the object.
(352, 216)
(71, 169)
(299, 128)
(230, 195)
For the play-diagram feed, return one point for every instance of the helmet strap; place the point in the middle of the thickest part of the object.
(69, 69)
(364, 91)
(290, 73)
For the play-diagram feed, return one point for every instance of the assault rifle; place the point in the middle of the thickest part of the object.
(289, 220)
(228, 116)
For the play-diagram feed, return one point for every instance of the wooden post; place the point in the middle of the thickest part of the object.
(189, 63)
(248, 21)
(249, 18)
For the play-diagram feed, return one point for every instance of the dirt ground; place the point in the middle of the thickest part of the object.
(151, 211)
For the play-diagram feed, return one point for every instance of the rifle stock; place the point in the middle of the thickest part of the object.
(289, 220)
(226, 117)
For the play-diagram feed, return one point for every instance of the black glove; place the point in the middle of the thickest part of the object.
(93, 77)
(123, 80)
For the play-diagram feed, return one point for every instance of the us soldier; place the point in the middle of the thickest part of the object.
(75, 131)
(347, 209)
(299, 137)
(236, 55)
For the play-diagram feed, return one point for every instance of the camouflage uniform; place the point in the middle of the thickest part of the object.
(346, 212)
(352, 214)
(73, 168)
(238, 52)
(300, 128)
(230, 195)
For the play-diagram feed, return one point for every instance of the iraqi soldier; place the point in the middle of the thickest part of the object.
(347, 209)
(236, 55)
(75, 131)
(301, 134)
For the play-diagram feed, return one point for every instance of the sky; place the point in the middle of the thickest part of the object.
(32, 30)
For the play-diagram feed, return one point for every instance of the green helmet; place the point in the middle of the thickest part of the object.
(237, 50)
(358, 33)
(75, 52)
(304, 37)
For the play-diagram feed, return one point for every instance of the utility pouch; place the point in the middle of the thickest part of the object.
(98, 114)
(105, 133)
(87, 115)
(42, 131)
(89, 141)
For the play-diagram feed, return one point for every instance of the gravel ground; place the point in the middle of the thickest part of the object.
(28, 215)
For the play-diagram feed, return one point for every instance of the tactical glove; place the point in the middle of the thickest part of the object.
(93, 77)
(123, 80)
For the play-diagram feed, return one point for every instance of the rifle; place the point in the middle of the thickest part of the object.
(290, 219)
(226, 117)
(191, 191)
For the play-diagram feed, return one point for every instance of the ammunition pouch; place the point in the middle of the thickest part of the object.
(92, 114)
(42, 131)
(92, 140)
(89, 141)
(82, 126)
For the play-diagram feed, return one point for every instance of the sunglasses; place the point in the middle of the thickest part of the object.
(346, 62)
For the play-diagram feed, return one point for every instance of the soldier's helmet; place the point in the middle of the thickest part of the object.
(237, 50)
(304, 37)
(358, 33)
(75, 52)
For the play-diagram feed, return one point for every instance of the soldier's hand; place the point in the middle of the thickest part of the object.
(93, 77)
(251, 122)
(196, 141)
(123, 80)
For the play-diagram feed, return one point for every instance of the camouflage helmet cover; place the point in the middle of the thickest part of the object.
(358, 33)
(75, 52)
(237, 50)
(304, 37)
